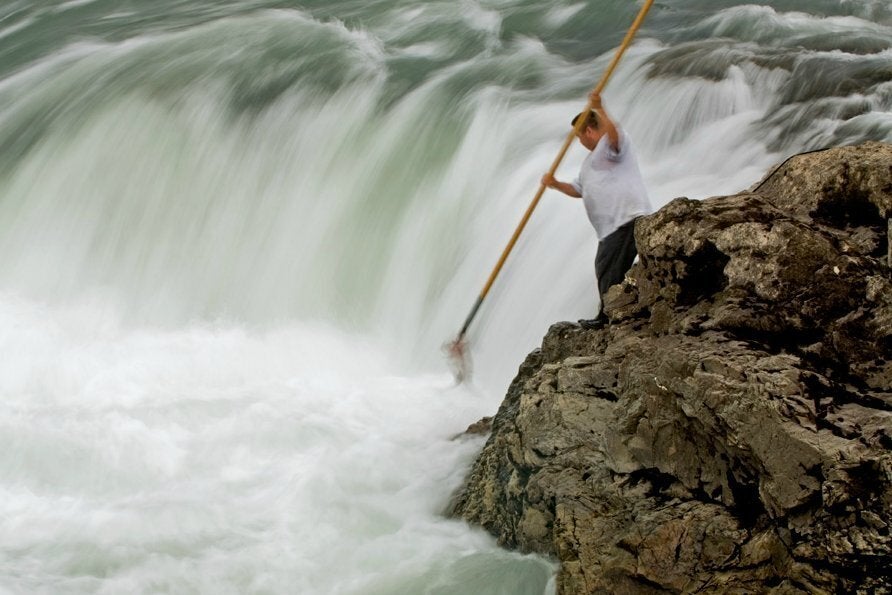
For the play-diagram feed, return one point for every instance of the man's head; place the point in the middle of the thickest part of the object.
(591, 129)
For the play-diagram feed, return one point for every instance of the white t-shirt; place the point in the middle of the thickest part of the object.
(611, 186)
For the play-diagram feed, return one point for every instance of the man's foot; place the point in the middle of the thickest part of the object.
(593, 323)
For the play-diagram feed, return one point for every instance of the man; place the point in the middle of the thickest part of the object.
(614, 195)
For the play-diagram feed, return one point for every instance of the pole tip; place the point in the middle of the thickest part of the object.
(457, 354)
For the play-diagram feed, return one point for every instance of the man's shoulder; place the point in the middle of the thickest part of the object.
(605, 151)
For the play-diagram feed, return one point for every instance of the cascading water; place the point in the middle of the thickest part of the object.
(233, 237)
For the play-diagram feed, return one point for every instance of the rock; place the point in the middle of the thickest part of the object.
(478, 428)
(730, 430)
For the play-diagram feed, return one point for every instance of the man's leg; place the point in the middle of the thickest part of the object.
(615, 256)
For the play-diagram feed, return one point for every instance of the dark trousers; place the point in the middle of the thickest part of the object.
(615, 256)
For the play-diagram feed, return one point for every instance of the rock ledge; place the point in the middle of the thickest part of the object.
(730, 431)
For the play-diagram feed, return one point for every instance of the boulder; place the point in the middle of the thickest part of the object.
(730, 430)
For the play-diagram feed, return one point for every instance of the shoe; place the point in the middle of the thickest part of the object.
(593, 323)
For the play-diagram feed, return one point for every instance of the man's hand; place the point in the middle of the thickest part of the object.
(595, 100)
(548, 181)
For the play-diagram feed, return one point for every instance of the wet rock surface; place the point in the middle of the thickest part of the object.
(730, 430)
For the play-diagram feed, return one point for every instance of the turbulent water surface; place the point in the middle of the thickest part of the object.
(234, 235)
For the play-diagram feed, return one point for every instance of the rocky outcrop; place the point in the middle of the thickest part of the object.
(730, 430)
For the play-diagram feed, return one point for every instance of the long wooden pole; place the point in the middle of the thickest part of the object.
(627, 40)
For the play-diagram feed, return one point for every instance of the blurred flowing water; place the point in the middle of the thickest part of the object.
(234, 235)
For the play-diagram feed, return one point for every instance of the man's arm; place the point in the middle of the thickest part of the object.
(605, 123)
(549, 181)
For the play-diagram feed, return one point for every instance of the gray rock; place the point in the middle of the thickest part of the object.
(730, 430)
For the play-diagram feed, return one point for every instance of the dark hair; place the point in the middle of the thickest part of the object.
(590, 122)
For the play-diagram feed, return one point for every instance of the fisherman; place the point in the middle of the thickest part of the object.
(614, 196)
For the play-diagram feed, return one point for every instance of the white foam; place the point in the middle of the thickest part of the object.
(212, 457)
